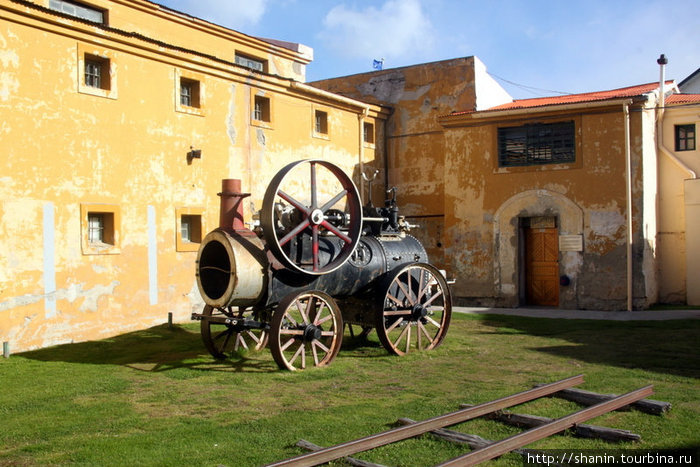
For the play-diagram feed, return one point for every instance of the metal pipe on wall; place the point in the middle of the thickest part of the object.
(663, 61)
(628, 183)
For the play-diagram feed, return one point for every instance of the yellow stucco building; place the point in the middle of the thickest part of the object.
(119, 120)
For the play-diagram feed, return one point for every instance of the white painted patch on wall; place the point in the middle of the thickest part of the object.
(92, 295)
(49, 261)
(606, 223)
(152, 257)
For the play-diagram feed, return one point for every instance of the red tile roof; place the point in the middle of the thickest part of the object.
(630, 91)
(683, 99)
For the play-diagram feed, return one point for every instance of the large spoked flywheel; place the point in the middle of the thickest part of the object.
(312, 216)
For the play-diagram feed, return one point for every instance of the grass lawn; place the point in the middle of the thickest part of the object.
(155, 397)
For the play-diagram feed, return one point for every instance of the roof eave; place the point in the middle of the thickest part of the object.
(457, 120)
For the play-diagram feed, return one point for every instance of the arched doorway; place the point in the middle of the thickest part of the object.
(510, 244)
(539, 239)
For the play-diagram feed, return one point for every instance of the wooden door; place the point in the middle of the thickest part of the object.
(542, 266)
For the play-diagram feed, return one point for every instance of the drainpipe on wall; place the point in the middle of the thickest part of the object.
(628, 182)
(662, 61)
(361, 151)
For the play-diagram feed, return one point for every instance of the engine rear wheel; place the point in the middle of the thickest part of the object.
(416, 309)
(306, 330)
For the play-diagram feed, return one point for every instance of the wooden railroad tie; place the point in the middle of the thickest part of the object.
(581, 430)
(584, 397)
(483, 449)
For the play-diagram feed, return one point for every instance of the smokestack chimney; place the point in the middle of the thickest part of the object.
(231, 208)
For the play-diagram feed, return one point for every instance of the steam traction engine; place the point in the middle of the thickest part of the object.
(315, 252)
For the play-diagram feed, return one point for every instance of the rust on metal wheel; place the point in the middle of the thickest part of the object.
(313, 218)
(222, 340)
(415, 311)
(306, 330)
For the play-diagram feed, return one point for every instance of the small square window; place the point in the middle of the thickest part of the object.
(100, 228)
(368, 133)
(261, 109)
(321, 122)
(189, 229)
(189, 92)
(97, 72)
(685, 137)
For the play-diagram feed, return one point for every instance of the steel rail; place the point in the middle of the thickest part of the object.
(409, 431)
(521, 439)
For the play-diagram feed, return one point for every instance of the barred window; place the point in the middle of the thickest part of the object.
(100, 228)
(93, 73)
(97, 72)
(96, 227)
(261, 110)
(186, 94)
(534, 144)
(685, 137)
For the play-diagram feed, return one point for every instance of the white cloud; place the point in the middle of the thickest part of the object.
(399, 29)
(234, 15)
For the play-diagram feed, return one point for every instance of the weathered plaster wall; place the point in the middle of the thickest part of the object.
(127, 150)
(678, 250)
(692, 229)
(484, 202)
(415, 147)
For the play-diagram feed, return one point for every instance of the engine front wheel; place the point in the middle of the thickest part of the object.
(306, 330)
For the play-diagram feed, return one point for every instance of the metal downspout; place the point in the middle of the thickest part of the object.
(662, 61)
(361, 150)
(628, 182)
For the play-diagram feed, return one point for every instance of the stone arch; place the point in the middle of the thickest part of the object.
(506, 224)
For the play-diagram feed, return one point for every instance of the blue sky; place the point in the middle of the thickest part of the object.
(545, 47)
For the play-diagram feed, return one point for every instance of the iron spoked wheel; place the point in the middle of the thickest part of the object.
(310, 239)
(416, 310)
(222, 340)
(306, 330)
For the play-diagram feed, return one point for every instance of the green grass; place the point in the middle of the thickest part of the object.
(155, 397)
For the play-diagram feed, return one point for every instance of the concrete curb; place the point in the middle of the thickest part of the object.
(555, 313)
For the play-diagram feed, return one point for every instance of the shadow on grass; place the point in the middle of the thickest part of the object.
(671, 347)
(156, 349)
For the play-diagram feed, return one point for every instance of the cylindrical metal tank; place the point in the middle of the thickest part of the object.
(233, 268)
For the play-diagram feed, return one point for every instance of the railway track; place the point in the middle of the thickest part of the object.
(485, 451)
